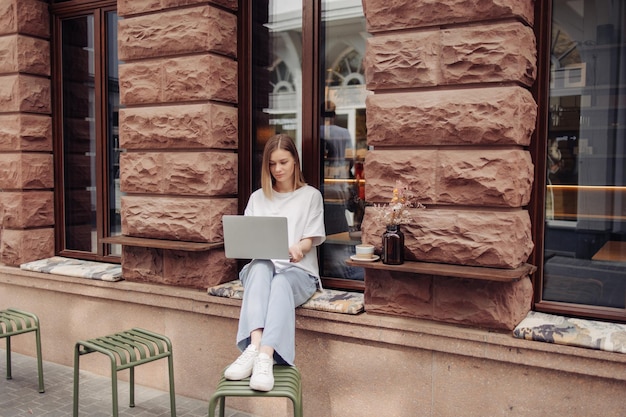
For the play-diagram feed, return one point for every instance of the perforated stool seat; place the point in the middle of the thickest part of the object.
(14, 322)
(126, 350)
(286, 384)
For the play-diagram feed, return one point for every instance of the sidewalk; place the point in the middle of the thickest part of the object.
(19, 397)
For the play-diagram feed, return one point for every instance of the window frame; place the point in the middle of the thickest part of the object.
(59, 12)
(538, 149)
(312, 82)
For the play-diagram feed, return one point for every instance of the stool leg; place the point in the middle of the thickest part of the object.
(9, 376)
(76, 373)
(170, 366)
(114, 386)
(222, 406)
(132, 386)
(39, 360)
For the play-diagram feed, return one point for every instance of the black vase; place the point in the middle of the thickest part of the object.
(393, 246)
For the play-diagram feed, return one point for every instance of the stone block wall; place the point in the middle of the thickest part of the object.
(452, 116)
(178, 127)
(26, 167)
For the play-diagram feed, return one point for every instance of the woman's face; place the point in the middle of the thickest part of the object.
(282, 166)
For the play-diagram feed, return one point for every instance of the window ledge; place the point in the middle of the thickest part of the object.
(162, 243)
(448, 270)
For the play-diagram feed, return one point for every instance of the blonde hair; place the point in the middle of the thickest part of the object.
(285, 142)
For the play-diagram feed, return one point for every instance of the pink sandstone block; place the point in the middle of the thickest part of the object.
(180, 173)
(403, 60)
(205, 77)
(475, 116)
(24, 93)
(187, 219)
(25, 17)
(384, 15)
(25, 132)
(26, 171)
(489, 53)
(199, 270)
(129, 7)
(20, 246)
(22, 210)
(180, 31)
(472, 177)
(473, 237)
(20, 53)
(478, 303)
(179, 127)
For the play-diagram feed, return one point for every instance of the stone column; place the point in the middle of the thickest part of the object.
(26, 167)
(178, 126)
(452, 116)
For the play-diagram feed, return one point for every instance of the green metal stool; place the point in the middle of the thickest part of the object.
(14, 322)
(126, 350)
(286, 384)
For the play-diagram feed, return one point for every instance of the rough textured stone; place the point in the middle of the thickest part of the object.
(199, 270)
(489, 53)
(489, 304)
(24, 54)
(476, 116)
(130, 7)
(20, 246)
(187, 219)
(403, 60)
(498, 239)
(206, 77)
(200, 29)
(472, 177)
(180, 173)
(24, 93)
(179, 127)
(25, 132)
(25, 17)
(384, 15)
(20, 210)
(26, 171)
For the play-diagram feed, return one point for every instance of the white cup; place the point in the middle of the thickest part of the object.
(364, 251)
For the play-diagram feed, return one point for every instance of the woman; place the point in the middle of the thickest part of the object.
(274, 288)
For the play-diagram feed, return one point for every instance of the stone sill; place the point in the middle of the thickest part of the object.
(367, 328)
(162, 243)
(448, 270)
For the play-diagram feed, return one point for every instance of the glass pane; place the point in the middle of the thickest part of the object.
(585, 239)
(113, 100)
(342, 134)
(277, 71)
(79, 133)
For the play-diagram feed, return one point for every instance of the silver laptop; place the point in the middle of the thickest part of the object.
(255, 237)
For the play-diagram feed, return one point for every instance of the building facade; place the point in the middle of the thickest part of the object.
(128, 128)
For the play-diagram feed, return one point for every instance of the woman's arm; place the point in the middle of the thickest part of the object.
(297, 251)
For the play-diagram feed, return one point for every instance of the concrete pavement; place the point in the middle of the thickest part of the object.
(19, 396)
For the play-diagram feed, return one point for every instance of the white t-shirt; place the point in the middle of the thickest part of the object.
(304, 209)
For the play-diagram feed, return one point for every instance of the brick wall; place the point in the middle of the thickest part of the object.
(178, 125)
(452, 115)
(26, 168)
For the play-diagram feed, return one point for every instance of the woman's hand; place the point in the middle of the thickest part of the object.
(297, 251)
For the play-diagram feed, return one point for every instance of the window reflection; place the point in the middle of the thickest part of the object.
(342, 134)
(585, 239)
(278, 104)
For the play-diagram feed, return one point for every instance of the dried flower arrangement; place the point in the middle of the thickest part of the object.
(397, 211)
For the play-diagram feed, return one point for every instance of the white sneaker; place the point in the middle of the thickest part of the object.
(242, 367)
(263, 373)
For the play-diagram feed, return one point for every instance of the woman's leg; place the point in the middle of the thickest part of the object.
(289, 289)
(256, 278)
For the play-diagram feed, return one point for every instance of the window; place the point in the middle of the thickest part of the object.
(85, 80)
(307, 80)
(584, 246)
